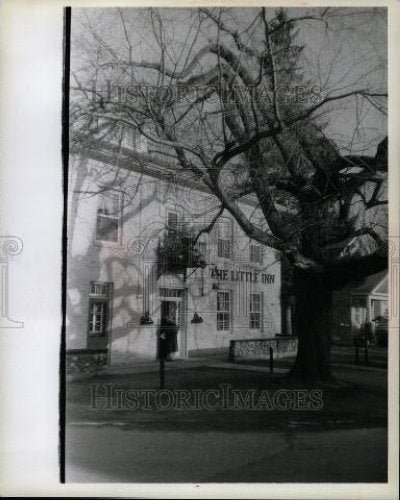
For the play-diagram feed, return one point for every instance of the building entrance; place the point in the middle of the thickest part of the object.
(171, 305)
(172, 309)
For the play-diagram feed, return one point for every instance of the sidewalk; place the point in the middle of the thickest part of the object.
(179, 364)
(219, 361)
(187, 364)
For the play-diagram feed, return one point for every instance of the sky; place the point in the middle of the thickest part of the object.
(348, 53)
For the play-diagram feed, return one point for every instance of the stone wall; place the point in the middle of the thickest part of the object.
(258, 349)
(85, 360)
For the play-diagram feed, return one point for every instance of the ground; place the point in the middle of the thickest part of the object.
(344, 441)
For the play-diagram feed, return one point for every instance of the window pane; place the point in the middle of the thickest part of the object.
(256, 254)
(227, 302)
(171, 292)
(101, 289)
(222, 321)
(255, 311)
(98, 289)
(223, 311)
(97, 317)
(224, 248)
(223, 301)
(225, 238)
(255, 302)
(172, 221)
(255, 321)
(109, 204)
(107, 228)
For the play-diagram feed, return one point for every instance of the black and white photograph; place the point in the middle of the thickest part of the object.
(199, 249)
(227, 258)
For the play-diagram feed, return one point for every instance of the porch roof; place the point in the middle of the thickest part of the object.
(374, 283)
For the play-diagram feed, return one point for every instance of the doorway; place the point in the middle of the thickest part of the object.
(171, 300)
(171, 308)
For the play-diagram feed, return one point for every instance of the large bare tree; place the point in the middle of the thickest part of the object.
(285, 106)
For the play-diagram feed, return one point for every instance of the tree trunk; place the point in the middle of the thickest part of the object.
(313, 328)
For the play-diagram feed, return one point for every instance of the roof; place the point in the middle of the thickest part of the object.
(369, 283)
(106, 152)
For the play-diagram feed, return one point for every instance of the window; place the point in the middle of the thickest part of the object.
(172, 221)
(98, 289)
(255, 311)
(358, 311)
(201, 247)
(224, 248)
(99, 305)
(108, 216)
(171, 292)
(97, 317)
(256, 254)
(223, 311)
(225, 238)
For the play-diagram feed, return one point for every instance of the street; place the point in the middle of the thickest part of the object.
(345, 441)
(112, 454)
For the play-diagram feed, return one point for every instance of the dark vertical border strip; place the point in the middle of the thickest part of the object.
(65, 158)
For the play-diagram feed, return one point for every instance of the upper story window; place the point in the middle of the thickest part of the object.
(201, 246)
(225, 239)
(256, 254)
(224, 248)
(172, 221)
(108, 216)
(199, 254)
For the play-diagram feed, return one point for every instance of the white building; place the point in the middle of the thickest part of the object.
(357, 304)
(121, 209)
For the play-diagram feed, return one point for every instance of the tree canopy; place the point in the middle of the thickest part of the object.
(285, 106)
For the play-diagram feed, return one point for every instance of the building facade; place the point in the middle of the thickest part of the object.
(122, 213)
(358, 304)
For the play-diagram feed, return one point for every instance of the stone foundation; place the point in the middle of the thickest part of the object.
(85, 360)
(258, 349)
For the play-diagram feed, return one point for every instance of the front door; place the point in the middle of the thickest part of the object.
(171, 308)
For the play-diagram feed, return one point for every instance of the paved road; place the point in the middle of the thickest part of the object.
(97, 453)
(345, 442)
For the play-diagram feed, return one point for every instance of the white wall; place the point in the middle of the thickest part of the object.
(131, 264)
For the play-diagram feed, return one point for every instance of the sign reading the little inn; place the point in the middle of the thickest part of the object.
(234, 275)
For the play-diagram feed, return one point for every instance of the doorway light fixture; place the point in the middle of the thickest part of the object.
(196, 318)
(146, 319)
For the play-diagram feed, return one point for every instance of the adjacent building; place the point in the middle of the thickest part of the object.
(358, 304)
